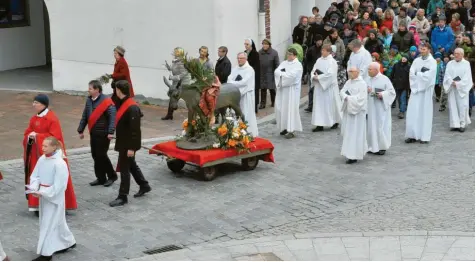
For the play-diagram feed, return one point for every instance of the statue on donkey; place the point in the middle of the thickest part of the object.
(203, 95)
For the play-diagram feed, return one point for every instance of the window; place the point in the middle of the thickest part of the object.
(14, 13)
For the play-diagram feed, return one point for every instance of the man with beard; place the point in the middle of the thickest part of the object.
(312, 55)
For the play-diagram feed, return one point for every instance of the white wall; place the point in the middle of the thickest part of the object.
(301, 7)
(24, 46)
(323, 5)
(84, 33)
(282, 25)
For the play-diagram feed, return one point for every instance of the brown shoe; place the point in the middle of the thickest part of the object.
(6, 259)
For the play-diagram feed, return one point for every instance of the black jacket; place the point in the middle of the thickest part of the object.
(403, 40)
(128, 132)
(253, 60)
(223, 69)
(401, 76)
(312, 55)
(374, 46)
(302, 36)
(105, 124)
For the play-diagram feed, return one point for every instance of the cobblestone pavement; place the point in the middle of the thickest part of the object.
(310, 188)
(16, 111)
(362, 246)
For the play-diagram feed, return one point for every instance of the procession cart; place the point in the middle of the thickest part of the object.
(208, 160)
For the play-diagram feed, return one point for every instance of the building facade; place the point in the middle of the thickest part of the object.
(77, 37)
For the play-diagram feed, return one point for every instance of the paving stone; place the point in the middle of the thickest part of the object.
(329, 246)
(460, 253)
(333, 257)
(432, 256)
(465, 242)
(305, 255)
(299, 244)
(436, 244)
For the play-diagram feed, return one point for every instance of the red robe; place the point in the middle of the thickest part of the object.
(45, 126)
(121, 72)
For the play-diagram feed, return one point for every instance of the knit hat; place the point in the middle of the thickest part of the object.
(413, 48)
(403, 23)
(120, 50)
(438, 55)
(442, 17)
(412, 26)
(267, 41)
(42, 99)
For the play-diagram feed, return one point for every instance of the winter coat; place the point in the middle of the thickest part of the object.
(442, 38)
(253, 60)
(396, 22)
(121, 72)
(303, 35)
(313, 53)
(269, 61)
(401, 76)
(388, 23)
(432, 5)
(340, 52)
(422, 27)
(374, 46)
(223, 69)
(403, 40)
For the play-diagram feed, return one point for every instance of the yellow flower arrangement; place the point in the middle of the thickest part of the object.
(233, 134)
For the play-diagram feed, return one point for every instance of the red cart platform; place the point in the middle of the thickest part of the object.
(207, 160)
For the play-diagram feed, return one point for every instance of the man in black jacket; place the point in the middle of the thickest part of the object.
(99, 115)
(128, 141)
(311, 56)
(401, 81)
(223, 65)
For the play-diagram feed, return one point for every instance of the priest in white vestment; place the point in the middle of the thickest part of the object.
(288, 95)
(419, 119)
(243, 76)
(360, 58)
(3, 256)
(457, 83)
(326, 110)
(48, 181)
(379, 112)
(354, 108)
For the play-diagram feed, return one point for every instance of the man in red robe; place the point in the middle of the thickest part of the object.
(121, 69)
(42, 125)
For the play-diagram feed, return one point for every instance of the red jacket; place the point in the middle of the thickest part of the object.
(121, 72)
(388, 23)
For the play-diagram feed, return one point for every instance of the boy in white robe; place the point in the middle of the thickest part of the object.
(457, 83)
(243, 76)
(360, 58)
(326, 109)
(419, 119)
(379, 113)
(48, 182)
(354, 108)
(288, 95)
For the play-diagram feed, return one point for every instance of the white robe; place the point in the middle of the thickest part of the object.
(288, 96)
(2, 253)
(419, 118)
(362, 59)
(247, 88)
(50, 178)
(354, 129)
(458, 98)
(379, 122)
(326, 108)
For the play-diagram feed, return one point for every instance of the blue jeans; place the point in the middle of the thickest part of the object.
(402, 100)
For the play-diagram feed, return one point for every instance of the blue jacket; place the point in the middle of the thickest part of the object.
(442, 38)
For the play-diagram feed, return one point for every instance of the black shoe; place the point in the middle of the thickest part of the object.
(168, 117)
(289, 135)
(454, 129)
(284, 132)
(309, 109)
(66, 249)
(461, 129)
(97, 183)
(318, 129)
(119, 201)
(109, 182)
(272, 105)
(442, 108)
(43, 258)
(335, 126)
(380, 153)
(423, 142)
(350, 161)
(143, 191)
(37, 213)
(262, 106)
(394, 105)
(410, 140)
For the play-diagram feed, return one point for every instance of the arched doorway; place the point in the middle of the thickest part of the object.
(25, 63)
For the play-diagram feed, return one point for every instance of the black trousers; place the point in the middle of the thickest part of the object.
(102, 164)
(264, 94)
(256, 100)
(128, 166)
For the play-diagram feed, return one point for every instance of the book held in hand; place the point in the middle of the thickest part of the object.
(424, 69)
(378, 90)
(347, 93)
(238, 78)
(319, 72)
(283, 70)
(456, 79)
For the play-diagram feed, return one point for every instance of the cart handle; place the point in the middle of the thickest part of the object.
(160, 153)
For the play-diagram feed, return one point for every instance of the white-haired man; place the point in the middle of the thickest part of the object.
(354, 130)
(379, 122)
(243, 77)
(457, 83)
(326, 110)
(360, 58)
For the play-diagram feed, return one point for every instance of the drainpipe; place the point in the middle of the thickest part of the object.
(261, 22)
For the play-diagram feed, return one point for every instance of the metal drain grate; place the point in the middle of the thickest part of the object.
(162, 249)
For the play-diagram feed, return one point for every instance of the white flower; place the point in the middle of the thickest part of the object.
(229, 118)
(236, 135)
(184, 132)
(216, 145)
(243, 132)
(185, 120)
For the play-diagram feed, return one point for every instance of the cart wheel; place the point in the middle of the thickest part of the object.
(209, 173)
(249, 163)
(175, 165)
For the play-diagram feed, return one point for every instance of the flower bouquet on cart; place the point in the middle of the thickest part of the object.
(233, 134)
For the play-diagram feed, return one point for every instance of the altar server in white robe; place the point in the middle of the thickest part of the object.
(288, 95)
(360, 58)
(420, 106)
(354, 108)
(457, 83)
(48, 182)
(243, 76)
(326, 111)
(379, 113)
